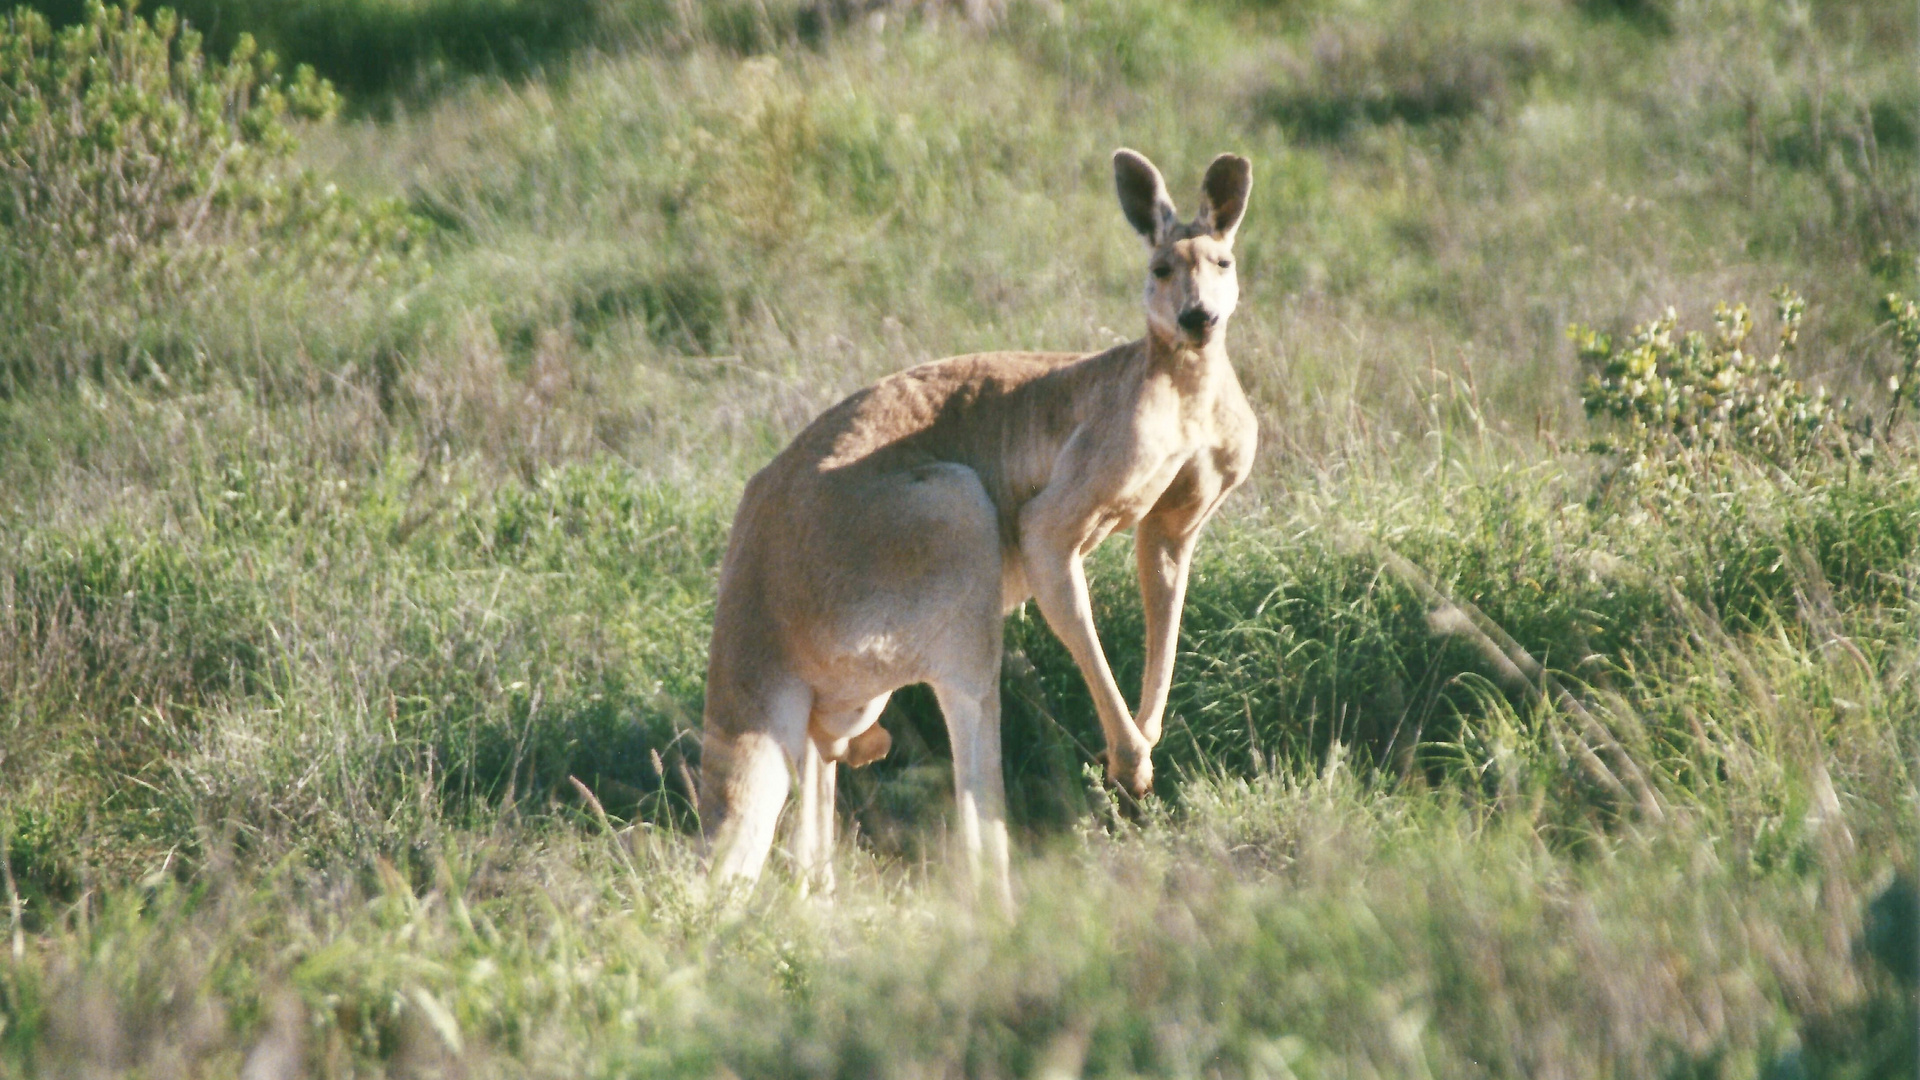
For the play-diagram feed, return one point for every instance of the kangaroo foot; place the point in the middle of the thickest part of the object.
(1130, 767)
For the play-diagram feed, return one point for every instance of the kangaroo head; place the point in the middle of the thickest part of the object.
(1191, 288)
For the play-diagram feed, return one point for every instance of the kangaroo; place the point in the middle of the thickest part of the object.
(885, 546)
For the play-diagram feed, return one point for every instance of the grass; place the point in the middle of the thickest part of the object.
(307, 619)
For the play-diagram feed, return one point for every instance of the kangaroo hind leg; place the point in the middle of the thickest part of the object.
(972, 711)
(958, 617)
(813, 832)
(745, 776)
(851, 735)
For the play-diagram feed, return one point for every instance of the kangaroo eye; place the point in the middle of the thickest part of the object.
(1162, 271)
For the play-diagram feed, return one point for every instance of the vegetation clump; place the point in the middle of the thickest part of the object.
(1685, 402)
(1679, 399)
(138, 179)
(1903, 319)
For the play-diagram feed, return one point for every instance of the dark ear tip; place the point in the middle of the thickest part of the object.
(1232, 161)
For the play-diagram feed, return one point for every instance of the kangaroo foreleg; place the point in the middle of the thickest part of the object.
(1164, 552)
(1058, 578)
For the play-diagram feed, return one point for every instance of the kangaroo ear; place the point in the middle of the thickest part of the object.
(1143, 195)
(1228, 180)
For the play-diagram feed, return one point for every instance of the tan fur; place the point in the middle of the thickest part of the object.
(886, 544)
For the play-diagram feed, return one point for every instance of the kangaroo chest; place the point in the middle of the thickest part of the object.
(1198, 454)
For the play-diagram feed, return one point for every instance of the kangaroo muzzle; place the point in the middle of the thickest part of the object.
(1197, 321)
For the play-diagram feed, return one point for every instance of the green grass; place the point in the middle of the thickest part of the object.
(308, 617)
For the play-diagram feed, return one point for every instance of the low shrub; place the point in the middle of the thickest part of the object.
(1681, 399)
(1903, 319)
(142, 184)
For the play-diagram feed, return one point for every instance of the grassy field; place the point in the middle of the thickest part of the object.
(366, 460)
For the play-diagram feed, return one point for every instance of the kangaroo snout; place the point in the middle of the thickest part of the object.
(1195, 319)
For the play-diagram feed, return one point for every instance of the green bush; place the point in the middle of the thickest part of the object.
(1681, 399)
(140, 182)
(1903, 318)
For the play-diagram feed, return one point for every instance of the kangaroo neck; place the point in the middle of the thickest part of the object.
(1191, 368)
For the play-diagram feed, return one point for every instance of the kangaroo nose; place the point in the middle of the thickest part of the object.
(1196, 318)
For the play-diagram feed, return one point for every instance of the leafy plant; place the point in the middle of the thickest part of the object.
(1685, 398)
(137, 177)
(1903, 316)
